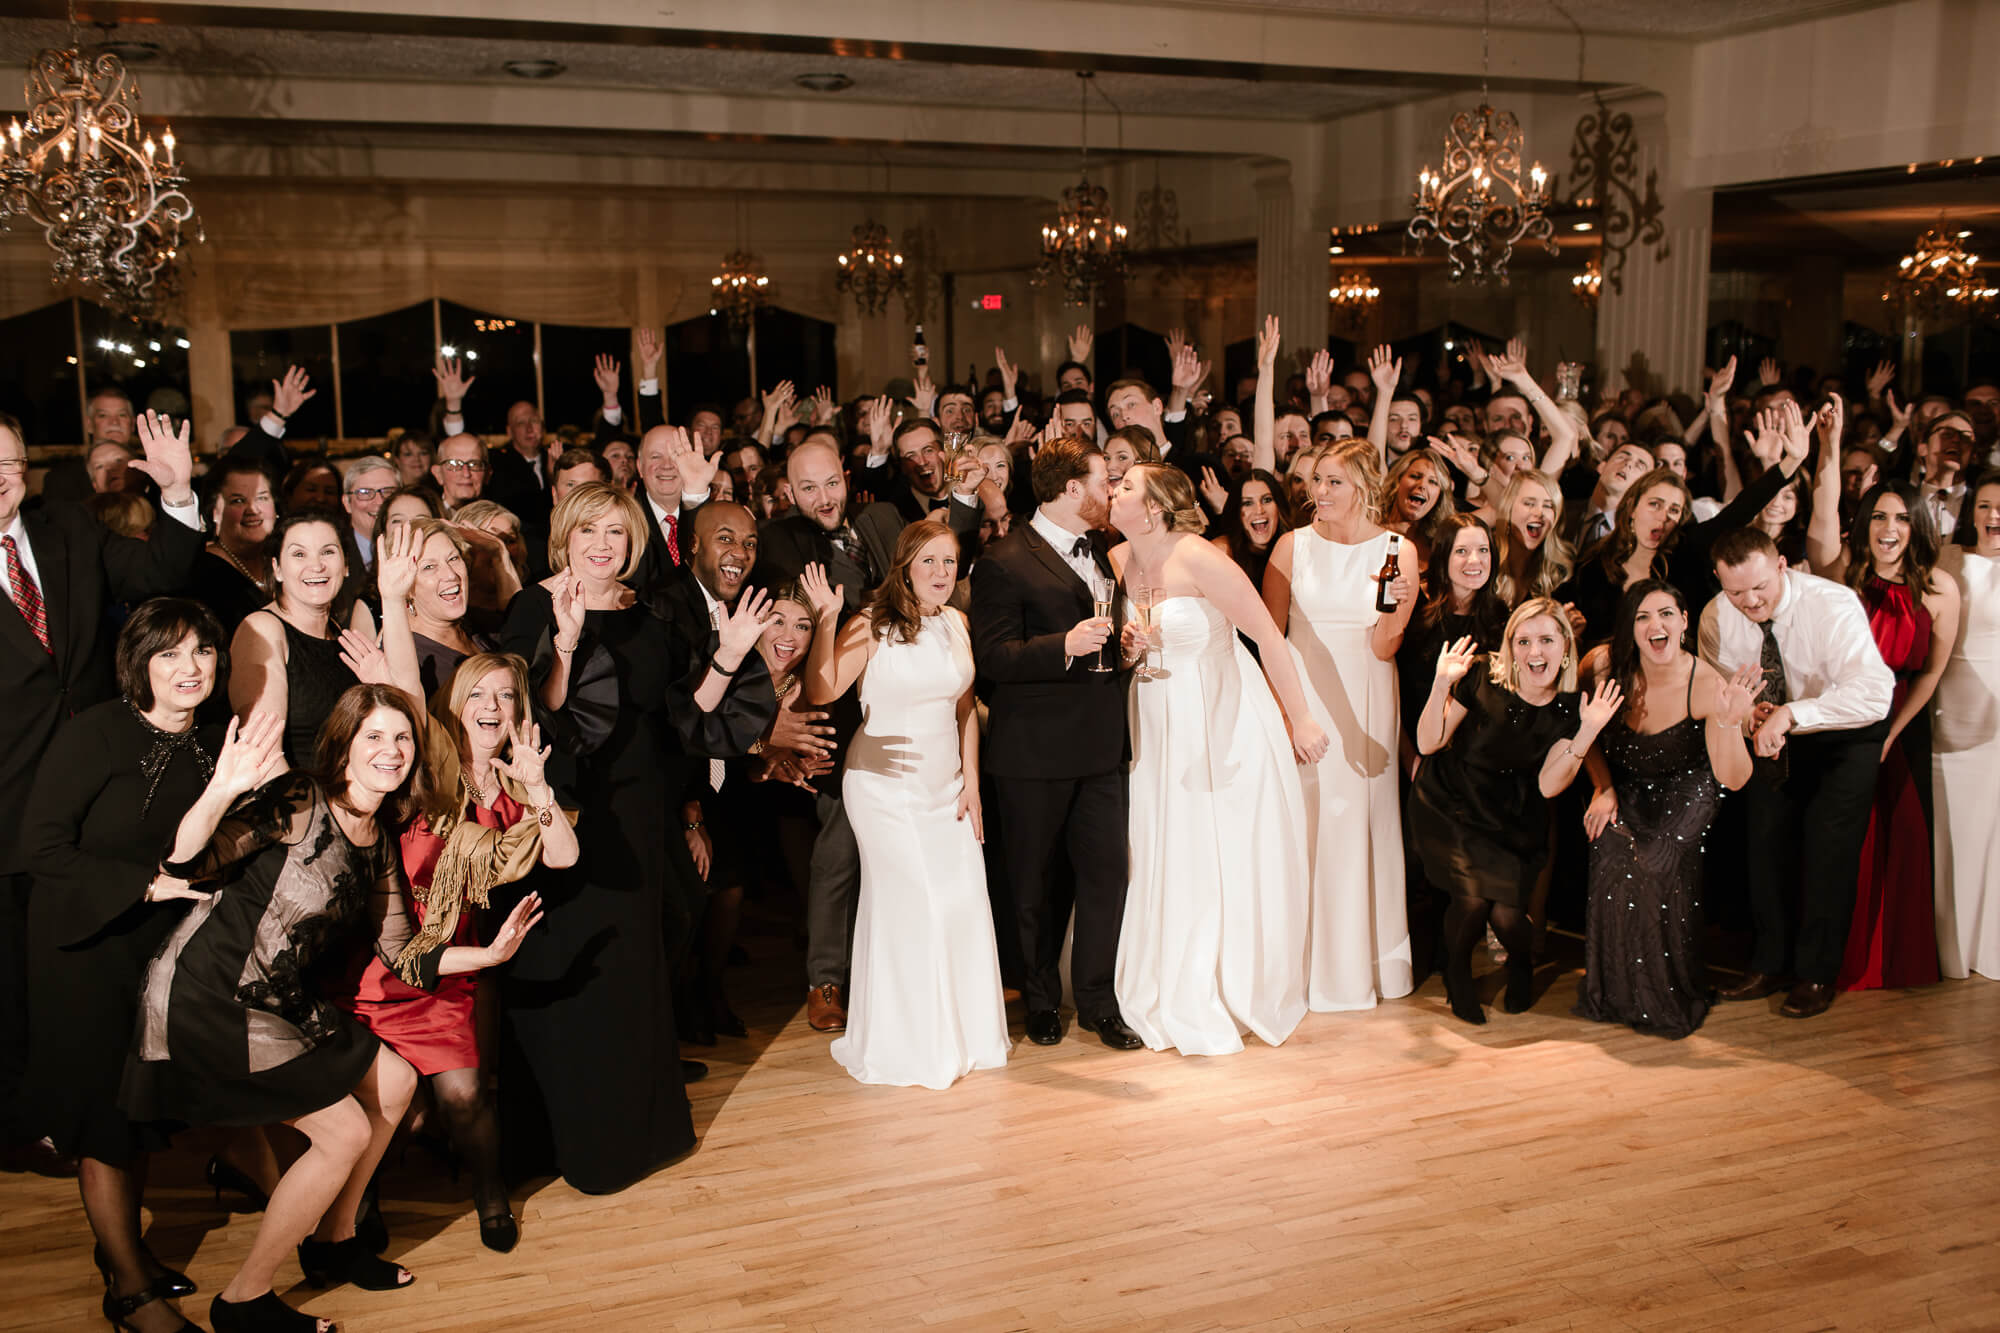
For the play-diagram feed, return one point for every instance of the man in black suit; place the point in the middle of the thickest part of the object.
(1132, 402)
(674, 481)
(1055, 745)
(918, 485)
(58, 569)
(855, 549)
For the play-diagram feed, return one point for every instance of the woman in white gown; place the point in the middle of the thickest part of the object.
(1320, 588)
(924, 1007)
(1213, 941)
(1965, 751)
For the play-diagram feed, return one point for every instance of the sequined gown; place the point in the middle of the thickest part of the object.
(1642, 941)
(1892, 940)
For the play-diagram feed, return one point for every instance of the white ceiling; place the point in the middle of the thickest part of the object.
(1692, 19)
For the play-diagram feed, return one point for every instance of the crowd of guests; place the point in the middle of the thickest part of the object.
(1251, 708)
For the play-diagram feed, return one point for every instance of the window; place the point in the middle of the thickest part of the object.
(259, 356)
(569, 353)
(500, 352)
(38, 375)
(385, 373)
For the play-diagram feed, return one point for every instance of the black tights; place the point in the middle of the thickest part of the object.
(1465, 922)
(111, 1197)
(475, 1132)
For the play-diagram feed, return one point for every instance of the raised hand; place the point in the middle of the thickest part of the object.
(1899, 418)
(827, 598)
(697, 469)
(1020, 430)
(1482, 368)
(453, 383)
(1319, 375)
(1385, 369)
(1879, 379)
(1767, 372)
(396, 560)
(967, 473)
(566, 600)
(289, 394)
(1602, 813)
(1767, 444)
(1079, 344)
(740, 629)
(252, 754)
(1736, 695)
(1176, 339)
(823, 407)
(925, 394)
(1830, 421)
(605, 372)
(880, 423)
(1267, 345)
(1189, 370)
(1010, 374)
(514, 929)
(1719, 385)
(365, 658)
(777, 399)
(1459, 452)
(1213, 491)
(1596, 709)
(649, 353)
(1053, 429)
(168, 460)
(1455, 659)
(1794, 434)
(1510, 365)
(527, 759)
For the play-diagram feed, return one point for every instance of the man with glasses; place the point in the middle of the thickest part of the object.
(460, 471)
(365, 486)
(1946, 449)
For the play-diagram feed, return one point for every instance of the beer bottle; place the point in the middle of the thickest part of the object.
(920, 355)
(1385, 600)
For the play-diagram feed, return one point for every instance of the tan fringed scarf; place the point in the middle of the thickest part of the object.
(475, 859)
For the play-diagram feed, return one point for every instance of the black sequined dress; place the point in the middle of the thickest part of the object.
(1642, 943)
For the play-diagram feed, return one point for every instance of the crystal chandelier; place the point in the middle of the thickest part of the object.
(1584, 286)
(871, 268)
(110, 200)
(1085, 248)
(1938, 276)
(738, 291)
(1477, 204)
(1356, 294)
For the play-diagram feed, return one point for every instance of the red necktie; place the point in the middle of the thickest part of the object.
(673, 538)
(27, 597)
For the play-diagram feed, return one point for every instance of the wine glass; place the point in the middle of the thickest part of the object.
(1143, 602)
(1102, 590)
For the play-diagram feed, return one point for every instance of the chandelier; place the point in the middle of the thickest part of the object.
(1477, 204)
(109, 199)
(1356, 294)
(871, 268)
(738, 291)
(1584, 286)
(1603, 175)
(1938, 276)
(1085, 248)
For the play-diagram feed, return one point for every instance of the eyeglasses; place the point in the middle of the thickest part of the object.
(13, 467)
(365, 493)
(462, 465)
(1950, 435)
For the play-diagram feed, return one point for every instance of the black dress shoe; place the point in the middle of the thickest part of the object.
(40, 1157)
(499, 1234)
(693, 1071)
(1808, 999)
(1044, 1027)
(1111, 1030)
(1754, 986)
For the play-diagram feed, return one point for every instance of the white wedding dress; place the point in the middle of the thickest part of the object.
(1965, 774)
(924, 1005)
(1213, 943)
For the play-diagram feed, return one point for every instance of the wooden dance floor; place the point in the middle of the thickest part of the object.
(1385, 1170)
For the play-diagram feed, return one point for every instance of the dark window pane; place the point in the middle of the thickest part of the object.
(799, 348)
(148, 361)
(708, 365)
(38, 375)
(569, 354)
(500, 353)
(385, 372)
(259, 356)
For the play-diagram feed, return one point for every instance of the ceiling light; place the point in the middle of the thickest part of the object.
(1581, 226)
(533, 69)
(823, 83)
(1336, 249)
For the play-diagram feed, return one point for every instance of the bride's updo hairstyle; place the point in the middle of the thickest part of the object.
(1170, 489)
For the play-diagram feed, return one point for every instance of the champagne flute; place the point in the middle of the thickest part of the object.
(1143, 602)
(1102, 590)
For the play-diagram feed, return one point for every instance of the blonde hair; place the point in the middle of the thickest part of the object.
(1550, 564)
(1361, 461)
(1170, 489)
(479, 513)
(428, 528)
(1502, 668)
(586, 504)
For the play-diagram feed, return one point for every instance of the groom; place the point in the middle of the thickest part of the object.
(1055, 746)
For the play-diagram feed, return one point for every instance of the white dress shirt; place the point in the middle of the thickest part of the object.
(1944, 503)
(188, 515)
(1063, 542)
(1834, 674)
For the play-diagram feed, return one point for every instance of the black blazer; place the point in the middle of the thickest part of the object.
(786, 545)
(888, 485)
(657, 566)
(749, 702)
(80, 567)
(1045, 719)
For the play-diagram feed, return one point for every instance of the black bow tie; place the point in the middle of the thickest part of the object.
(1082, 548)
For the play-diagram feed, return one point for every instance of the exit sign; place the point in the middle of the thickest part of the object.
(990, 301)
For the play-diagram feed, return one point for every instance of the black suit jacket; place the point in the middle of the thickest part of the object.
(1045, 719)
(80, 567)
(749, 703)
(658, 567)
(888, 485)
(787, 544)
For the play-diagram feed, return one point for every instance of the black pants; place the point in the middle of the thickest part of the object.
(13, 1003)
(1805, 835)
(1085, 817)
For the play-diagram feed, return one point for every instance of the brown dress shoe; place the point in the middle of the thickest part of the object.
(824, 1010)
(1754, 986)
(1808, 999)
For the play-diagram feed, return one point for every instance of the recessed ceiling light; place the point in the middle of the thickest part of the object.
(131, 52)
(824, 83)
(1962, 235)
(534, 69)
(1336, 249)
(1581, 226)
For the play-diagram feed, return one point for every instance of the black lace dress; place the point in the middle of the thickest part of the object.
(1642, 943)
(233, 1025)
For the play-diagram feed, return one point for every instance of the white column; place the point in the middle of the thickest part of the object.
(1291, 262)
(1657, 326)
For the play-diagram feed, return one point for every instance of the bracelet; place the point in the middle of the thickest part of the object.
(715, 665)
(693, 826)
(567, 650)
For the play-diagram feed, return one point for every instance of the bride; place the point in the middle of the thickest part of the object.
(1214, 938)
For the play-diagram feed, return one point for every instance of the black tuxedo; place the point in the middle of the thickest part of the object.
(1055, 748)
(511, 482)
(787, 544)
(888, 485)
(79, 568)
(658, 566)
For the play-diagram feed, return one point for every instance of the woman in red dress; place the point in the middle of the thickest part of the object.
(497, 819)
(1892, 940)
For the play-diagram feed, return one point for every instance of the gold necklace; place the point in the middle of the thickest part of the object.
(239, 566)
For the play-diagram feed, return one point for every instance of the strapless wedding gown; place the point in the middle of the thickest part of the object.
(1214, 938)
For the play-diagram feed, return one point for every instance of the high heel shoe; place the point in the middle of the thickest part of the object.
(1463, 993)
(168, 1283)
(369, 1227)
(118, 1309)
(330, 1262)
(221, 1176)
(265, 1314)
(499, 1234)
(1520, 995)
